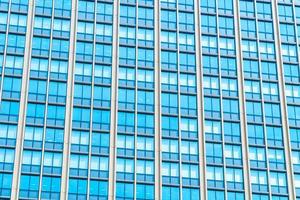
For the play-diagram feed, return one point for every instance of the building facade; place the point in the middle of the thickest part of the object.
(150, 99)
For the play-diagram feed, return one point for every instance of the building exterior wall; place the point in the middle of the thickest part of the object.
(150, 99)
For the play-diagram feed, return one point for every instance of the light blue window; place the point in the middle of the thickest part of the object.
(274, 136)
(50, 188)
(127, 15)
(208, 23)
(98, 189)
(9, 111)
(102, 74)
(145, 124)
(61, 28)
(126, 55)
(190, 193)
(78, 165)
(169, 103)
(214, 153)
(145, 170)
(169, 126)
(264, 10)
(104, 32)
(59, 69)
(80, 141)
(208, 6)
(54, 138)
(81, 118)
(86, 10)
(7, 159)
(40, 46)
(11, 88)
(33, 137)
(285, 12)
(5, 184)
(101, 120)
(127, 35)
(99, 167)
(247, 8)
(248, 28)
(269, 70)
(168, 19)
(278, 182)
(255, 134)
(265, 30)
(267, 50)
(101, 96)
(189, 128)
(215, 177)
(124, 190)
(145, 58)
(168, 39)
(29, 186)
(232, 131)
(252, 90)
(56, 116)
(186, 21)
(125, 145)
(168, 60)
(226, 26)
(186, 42)
(15, 44)
(82, 95)
(14, 65)
(257, 157)
(210, 64)
(170, 172)
(213, 130)
(31, 161)
(144, 191)
(126, 122)
(62, 8)
(212, 107)
(52, 163)
(233, 155)
(145, 37)
(190, 174)
(272, 113)
(251, 68)
(145, 147)
(228, 66)
(37, 90)
(8, 134)
(100, 143)
(254, 111)
(77, 188)
(35, 113)
(234, 178)
(259, 181)
(60, 48)
(57, 92)
(170, 193)
(145, 16)
(249, 48)
(170, 149)
(188, 105)
(293, 115)
(104, 12)
(276, 159)
(209, 44)
(125, 169)
(225, 6)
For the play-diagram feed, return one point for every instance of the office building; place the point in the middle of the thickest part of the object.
(150, 99)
